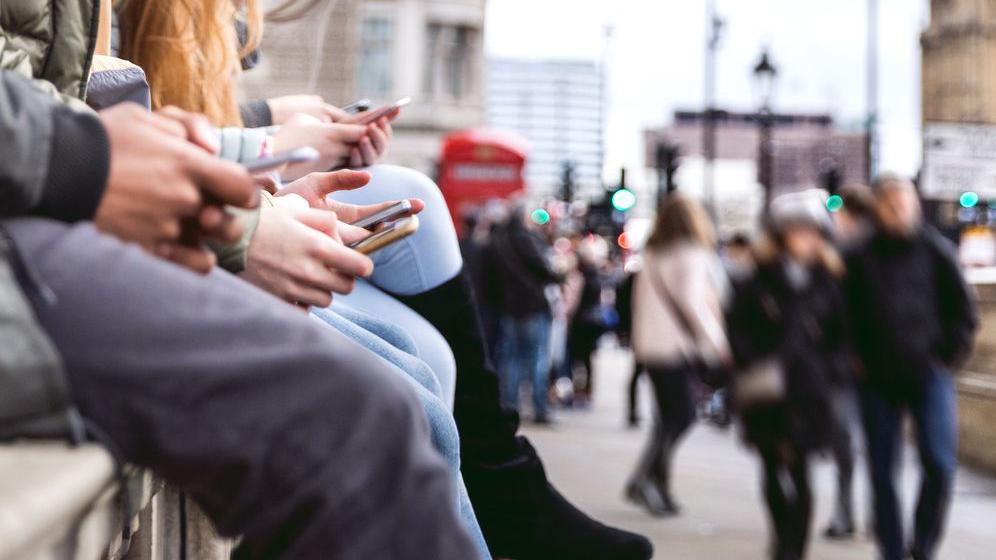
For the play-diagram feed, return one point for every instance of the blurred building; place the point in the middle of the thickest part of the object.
(959, 104)
(558, 106)
(807, 150)
(429, 50)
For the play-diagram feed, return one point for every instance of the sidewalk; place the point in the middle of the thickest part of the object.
(590, 453)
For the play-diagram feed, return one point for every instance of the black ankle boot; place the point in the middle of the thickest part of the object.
(525, 518)
(522, 516)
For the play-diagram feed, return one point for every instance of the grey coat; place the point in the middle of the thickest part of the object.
(54, 164)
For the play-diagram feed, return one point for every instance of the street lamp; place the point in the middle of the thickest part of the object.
(765, 75)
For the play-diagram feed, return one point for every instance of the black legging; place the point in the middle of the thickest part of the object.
(790, 509)
(675, 414)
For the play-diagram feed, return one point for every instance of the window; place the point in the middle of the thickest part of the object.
(376, 41)
(448, 61)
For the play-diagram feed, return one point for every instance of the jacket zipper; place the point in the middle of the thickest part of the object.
(26, 276)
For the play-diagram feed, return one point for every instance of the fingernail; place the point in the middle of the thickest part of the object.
(208, 136)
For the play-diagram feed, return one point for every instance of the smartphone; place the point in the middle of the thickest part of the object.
(390, 214)
(392, 233)
(368, 117)
(298, 155)
(357, 106)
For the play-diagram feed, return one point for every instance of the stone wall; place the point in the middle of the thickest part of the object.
(977, 391)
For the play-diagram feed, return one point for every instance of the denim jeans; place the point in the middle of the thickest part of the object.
(421, 378)
(524, 354)
(930, 400)
(421, 261)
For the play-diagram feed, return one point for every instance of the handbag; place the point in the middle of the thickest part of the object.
(761, 383)
(712, 375)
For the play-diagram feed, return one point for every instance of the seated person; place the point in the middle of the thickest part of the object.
(233, 397)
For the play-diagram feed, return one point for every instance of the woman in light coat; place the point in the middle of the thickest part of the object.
(677, 330)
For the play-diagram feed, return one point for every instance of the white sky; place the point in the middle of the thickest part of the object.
(657, 50)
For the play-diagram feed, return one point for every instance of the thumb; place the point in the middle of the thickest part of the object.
(341, 180)
(324, 221)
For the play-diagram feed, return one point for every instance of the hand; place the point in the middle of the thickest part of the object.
(374, 145)
(165, 186)
(283, 108)
(314, 188)
(333, 141)
(297, 255)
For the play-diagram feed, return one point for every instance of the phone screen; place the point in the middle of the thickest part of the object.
(386, 215)
(371, 116)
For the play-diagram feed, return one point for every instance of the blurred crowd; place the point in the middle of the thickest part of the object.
(824, 325)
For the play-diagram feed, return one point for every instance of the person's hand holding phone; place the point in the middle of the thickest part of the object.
(315, 188)
(298, 255)
(374, 145)
(165, 188)
(334, 142)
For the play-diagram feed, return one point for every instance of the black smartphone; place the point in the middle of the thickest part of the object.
(298, 155)
(389, 214)
(392, 233)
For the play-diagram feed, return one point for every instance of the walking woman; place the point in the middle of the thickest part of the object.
(677, 328)
(787, 333)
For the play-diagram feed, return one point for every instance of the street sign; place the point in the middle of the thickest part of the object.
(957, 159)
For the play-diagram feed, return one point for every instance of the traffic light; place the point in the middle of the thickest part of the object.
(667, 161)
(623, 200)
(831, 177)
(567, 180)
(968, 199)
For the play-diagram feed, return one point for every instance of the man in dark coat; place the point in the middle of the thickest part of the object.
(517, 274)
(913, 319)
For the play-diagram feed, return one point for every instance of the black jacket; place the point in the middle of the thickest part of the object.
(517, 272)
(909, 306)
(805, 327)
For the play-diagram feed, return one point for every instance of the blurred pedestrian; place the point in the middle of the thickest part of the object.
(677, 329)
(913, 319)
(787, 331)
(588, 323)
(519, 271)
(853, 224)
(624, 308)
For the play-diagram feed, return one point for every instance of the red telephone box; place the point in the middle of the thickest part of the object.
(479, 165)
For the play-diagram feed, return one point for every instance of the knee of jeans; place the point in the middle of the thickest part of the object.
(442, 426)
(405, 182)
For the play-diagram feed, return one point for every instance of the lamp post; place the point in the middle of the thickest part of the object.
(765, 75)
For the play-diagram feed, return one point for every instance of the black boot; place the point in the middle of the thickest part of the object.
(525, 518)
(522, 516)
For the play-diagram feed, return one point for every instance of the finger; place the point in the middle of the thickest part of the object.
(267, 181)
(197, 259)
(227, 182)
(345, 260)
(318, 277)
(393, 114)
(367, 150)
(303, 295)
(355, 158)
(228, 230)
(349, 133)
(378, 138)
(210, 217)
(335, 114)
(324, 221)
(164, 125)
(351, 234)
(341, 180)
(198, 128)
(388, 129)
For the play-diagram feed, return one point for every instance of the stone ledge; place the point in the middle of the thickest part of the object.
(46, 489)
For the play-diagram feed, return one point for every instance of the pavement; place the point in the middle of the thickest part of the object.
(589, 454)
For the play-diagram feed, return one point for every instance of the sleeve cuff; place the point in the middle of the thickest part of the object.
(78, 166)
(256, 114)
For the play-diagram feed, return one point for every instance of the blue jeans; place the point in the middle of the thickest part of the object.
(930, 400)
(524, 354)
(445, 438)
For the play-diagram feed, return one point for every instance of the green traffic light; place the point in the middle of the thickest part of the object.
(623, 200)
(835, 203)
(540, 217)
(968, 199)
